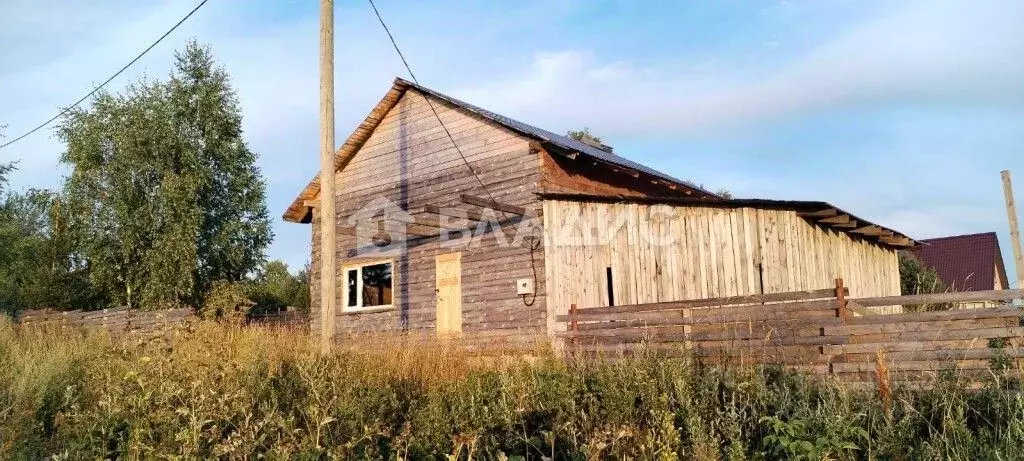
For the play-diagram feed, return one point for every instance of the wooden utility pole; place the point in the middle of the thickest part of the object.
(1011, 214)
(328, 271)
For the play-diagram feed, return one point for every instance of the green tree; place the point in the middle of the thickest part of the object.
(275, 288)
(918, 278)
(39, 267)
(164, 198)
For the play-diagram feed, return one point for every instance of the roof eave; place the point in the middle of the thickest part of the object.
(298, 211)
(795, 205)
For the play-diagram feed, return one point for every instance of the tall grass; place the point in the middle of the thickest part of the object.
(228, 392)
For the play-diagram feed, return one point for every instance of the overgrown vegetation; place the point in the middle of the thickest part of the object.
(164, 195)
(584, 136)
(221, 391)
(164, 202)
(39, 265)
(275, 289)
(917, 278)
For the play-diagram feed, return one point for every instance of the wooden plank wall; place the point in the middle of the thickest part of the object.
(808, 330)
(410, 160)
(779, 328)
(712, 252)
(116, 321)
(292, 320)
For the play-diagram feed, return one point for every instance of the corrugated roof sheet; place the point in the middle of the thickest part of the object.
(964, 262)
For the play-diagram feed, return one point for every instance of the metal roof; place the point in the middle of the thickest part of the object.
(299, 211)
(810, 208)
(965, 262)
(541, 134)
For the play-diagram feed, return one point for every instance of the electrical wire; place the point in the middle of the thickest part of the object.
(112, 77)
(533, 246)
(431, 104)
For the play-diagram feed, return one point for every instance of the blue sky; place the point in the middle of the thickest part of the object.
(901, 112)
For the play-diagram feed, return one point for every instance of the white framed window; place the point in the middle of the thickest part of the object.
(368, 286)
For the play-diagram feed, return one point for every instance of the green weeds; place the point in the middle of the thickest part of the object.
(227, 392)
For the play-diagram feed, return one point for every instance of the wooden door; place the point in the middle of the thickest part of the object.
(449, 293)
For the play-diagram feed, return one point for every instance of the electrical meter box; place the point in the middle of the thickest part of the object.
(524, 287)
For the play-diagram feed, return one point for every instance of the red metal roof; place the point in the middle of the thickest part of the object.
(964, 262)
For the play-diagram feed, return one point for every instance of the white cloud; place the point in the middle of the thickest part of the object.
(956, 52)
(964, 52)
(271, 58)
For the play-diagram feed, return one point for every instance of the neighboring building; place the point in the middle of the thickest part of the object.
(970, 262)
(593, 228)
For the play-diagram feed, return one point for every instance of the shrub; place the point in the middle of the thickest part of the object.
(226, 302)
(221, 391)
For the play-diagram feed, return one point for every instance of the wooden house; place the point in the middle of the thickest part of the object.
(573, 227)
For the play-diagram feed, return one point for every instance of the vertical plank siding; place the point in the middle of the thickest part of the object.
(704, 252)
(656, 253)
(409, 160)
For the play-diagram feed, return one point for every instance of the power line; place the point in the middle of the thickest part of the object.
(533, 246)
(432, 109)
(112, 77)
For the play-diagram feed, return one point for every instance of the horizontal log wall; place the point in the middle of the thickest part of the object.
(293, 320)
(410, 161)
(808, 330)
(116, 321)
(713, 252)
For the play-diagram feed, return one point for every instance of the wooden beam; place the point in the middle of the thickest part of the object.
(328, 239)
(875, 318)
(430, 221)
(826, 213)
(623, 170)
(938, 298)
(858, 309)
(849, 225)
(896, 241)
(872, 229)
(487, 203)
(422, 231)
(821, 295)
(414, 230)
(1011, 215)
(451, 212)
(838, 219)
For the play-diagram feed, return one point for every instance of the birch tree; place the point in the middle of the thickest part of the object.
(164, 195)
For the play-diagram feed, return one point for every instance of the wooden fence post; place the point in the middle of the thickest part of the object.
(842, 313)
(841, 299)
(572, 324)
(1011, 215)
(687, 329)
